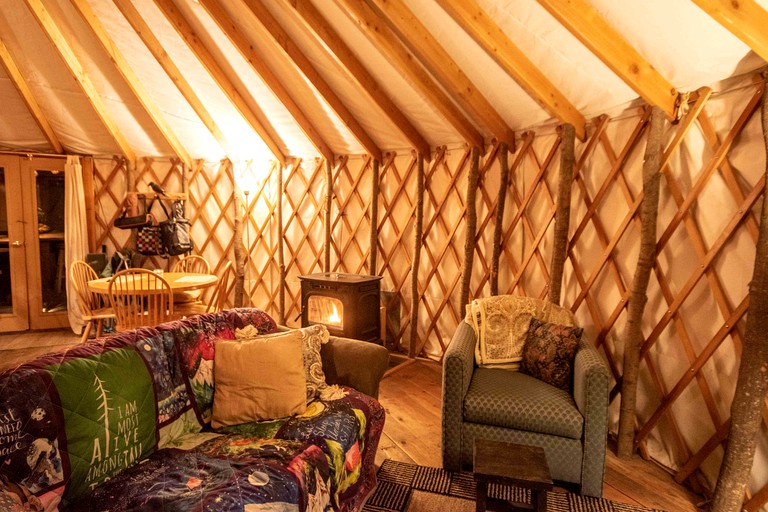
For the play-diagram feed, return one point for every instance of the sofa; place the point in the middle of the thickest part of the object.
(123, 423)
(499, 404)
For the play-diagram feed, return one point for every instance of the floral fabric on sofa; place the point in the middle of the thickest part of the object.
(122, 424)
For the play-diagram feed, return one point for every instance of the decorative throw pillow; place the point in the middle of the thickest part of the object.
(501, 324)
(258, 379)
(312, 338)
(549, 351)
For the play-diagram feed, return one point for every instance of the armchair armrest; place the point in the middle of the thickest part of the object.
(458, 366)
(354, 363)
(590, 392)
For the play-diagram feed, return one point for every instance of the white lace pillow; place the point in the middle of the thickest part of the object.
(501, 326)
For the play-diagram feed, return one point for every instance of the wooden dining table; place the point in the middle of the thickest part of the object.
(178, 281)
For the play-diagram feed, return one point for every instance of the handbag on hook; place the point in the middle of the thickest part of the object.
(175, 231)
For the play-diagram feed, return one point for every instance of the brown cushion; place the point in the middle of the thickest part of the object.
(549, 351)
(258, 379)
(312, 338)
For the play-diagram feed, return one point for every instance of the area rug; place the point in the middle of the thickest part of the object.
(406, 487)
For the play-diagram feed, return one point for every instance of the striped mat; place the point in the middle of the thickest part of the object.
(404, 487)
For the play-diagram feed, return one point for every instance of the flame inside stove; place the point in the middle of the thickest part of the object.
(333, 317)
(325, 310)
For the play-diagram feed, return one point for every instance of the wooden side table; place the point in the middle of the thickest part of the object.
(510, 464)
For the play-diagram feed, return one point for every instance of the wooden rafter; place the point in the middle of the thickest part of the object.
(232, 29)
(436, 59)
(17, 78)
(133, 82)
(381, 35)
(61, 43)
(589, 27)
(302, 63)
(745, 19)
(255, 119)
(337, 49)
(185, 88)
(498, 45)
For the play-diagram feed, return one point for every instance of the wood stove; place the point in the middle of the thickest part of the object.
(347, 304)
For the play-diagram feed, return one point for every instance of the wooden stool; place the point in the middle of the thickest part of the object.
(510, 464)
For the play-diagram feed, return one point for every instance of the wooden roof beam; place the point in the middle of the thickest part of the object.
(17, 78)
(745, 19)
(589, 27)
(231, 28)
(492, 39)
(335, 47)
(302, 63)
(185, 88)
(386, 41)
(62, 45)
(440, 64)
(133, 82)
(209, 62)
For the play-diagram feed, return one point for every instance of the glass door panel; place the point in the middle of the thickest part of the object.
(46, 268)
(13, 272)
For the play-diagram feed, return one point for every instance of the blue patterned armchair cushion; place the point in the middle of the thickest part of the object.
(534, 407)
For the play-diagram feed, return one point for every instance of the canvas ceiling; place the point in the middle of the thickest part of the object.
(682, 42)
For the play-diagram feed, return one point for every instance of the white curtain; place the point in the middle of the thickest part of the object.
(75, 232)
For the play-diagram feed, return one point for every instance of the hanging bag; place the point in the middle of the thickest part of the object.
(149, 242)
(131, 218)
(175, 231)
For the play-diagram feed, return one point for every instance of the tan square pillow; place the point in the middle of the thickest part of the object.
(312, 339)
(258, 379)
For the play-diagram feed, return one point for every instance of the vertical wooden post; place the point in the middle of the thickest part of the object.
(752, 383)
(417, 242)
(374, 244)
(239, 247)
(563, 212)
(280, 248)
(498, 228)
(328, 206)
(633, 339)
(471, 232)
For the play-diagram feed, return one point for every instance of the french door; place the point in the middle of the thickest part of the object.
(33, 274)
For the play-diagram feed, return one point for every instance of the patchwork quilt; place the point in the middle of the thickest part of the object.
(122, 424)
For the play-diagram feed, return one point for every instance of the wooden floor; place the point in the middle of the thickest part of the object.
(411, 397)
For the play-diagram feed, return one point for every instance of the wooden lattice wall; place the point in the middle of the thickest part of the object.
(707, 229)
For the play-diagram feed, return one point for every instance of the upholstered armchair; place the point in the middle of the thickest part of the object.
(510, 406)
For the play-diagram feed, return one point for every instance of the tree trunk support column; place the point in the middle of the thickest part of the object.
(280, 247)
(633, 339)
(374, 244)
(417, 242)
(752, 383)
(471, 231)
(328, 206)
(563, 213)
(240, 255)
(498, 228)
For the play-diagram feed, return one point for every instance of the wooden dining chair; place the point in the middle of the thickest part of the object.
(193, 263)
(217, 299)
(92, 308)
(140, 298)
